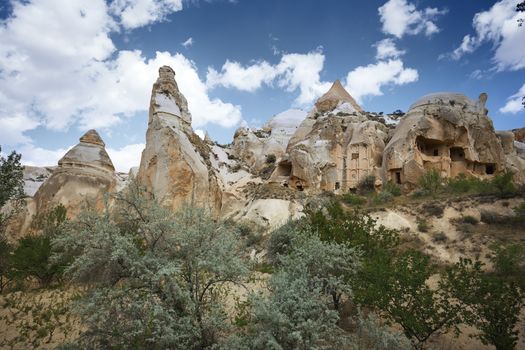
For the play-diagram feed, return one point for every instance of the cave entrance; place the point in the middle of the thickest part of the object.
(457, 154)
(490, 169)
(432, 148)
(337, 185)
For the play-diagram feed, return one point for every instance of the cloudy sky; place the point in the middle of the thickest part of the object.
(69, 66)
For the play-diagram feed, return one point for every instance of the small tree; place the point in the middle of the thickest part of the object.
(11, 187)
(400, 291)
(431, 182)
(493, 304)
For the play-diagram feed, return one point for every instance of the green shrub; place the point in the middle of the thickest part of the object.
(431, 182)
(439, 237)
(353, 199)
(433, 209)
(464, 184)
(468, 219)
(422, 225)
(367, 184)
(503, 183)
(392, 188)
(32, 258)
(271, 159)
(494, 218)
(280, 241)
(382, 197)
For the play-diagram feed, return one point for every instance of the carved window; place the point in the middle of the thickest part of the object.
(355, 155)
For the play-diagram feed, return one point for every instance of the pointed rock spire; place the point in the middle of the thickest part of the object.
(334, 97)
(92, 137)
(167, 100)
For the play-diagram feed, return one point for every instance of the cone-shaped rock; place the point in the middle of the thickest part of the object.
(334, 97)
(334, 147)
(90, 152)
(85, 173)
(175, 165)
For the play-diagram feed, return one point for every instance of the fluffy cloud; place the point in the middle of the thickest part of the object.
(37, 156)
(294, 72)
(126, 157)
(59, 68)
(369, 80)
(514, 103)
(137, 13)
(400, 17)
(499, 26)
(386, 48)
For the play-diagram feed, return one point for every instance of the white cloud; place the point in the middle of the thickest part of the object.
(200, 133)
(37, 156)
(499, 26)
(293, 72)
(126, 157)
(188, 42)
(515, 102)
(234, 75)
(369, 80)
(400, 17)
(386, 48)
(59, 68)
(137, 13)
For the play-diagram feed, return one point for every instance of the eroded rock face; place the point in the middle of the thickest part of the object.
(334, 147)
(85, 173)
(175, 165)
(259, 148)
(514, 154)
(447, 132)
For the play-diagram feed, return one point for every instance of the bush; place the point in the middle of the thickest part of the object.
(281, 240)
(367, 184)
(5, 263)
(382, 197)
(433, 209)
(493, 218)
(439, 237)
(422, 225)
(353, 199)
(271, 159)
(431, 182)
(157, 279)
(503, 183)
(464, 184)
(392, 188)
(468, 219)
(32, 258)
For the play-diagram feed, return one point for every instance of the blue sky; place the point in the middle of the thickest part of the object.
(67, 66)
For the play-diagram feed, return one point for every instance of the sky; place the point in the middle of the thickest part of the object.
(70, 66)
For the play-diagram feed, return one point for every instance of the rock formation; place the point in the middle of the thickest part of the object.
(258, 148)
(175, 165)
(334, 147)
(84, 173)
(514, 154)
(447, 132)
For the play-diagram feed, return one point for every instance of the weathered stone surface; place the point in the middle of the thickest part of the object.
(254, 147)
(514, 155)
(334, 147)
(175, 165)
(444, 131)
(85, 173)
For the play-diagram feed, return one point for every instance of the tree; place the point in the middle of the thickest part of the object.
(401, 293)
(492, 304)
(158, 279)
(11, 187)
(31, 257)
(520, 7)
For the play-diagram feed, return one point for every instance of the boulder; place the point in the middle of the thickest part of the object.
(175, 166)
(445, 131)
(334, 147)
